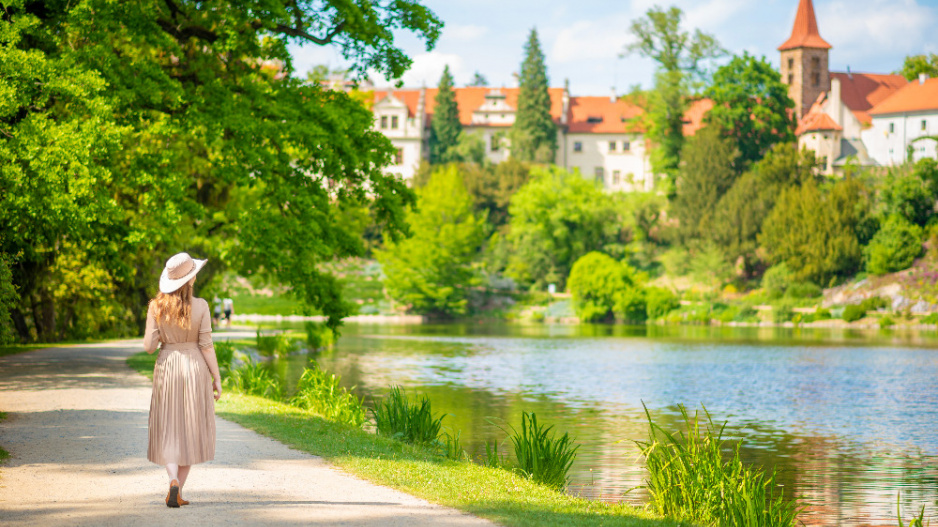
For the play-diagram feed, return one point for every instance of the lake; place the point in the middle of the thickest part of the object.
(848, 419)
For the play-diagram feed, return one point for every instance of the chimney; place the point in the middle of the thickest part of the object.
(565, 103)
(922, 77)
(835, 100)
(612, 96)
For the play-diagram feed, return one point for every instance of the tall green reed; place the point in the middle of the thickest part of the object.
(321, 392)
(412, 422)
(224, 352)
(541, 455)
(914, 522)
(254, 379)
(690, 479)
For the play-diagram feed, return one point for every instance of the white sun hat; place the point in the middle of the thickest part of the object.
(179, 270)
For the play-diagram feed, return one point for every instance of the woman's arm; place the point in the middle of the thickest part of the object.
(208, 351)
(151, 335)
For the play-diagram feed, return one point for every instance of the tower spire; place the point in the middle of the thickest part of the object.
(804, 34)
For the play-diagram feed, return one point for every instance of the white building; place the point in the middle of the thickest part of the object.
(906, 120)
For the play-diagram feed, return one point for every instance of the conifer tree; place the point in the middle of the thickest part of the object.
(534, 134)
(444, 126)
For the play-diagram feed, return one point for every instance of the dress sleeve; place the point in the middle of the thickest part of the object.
(205, 329)
(151, 335)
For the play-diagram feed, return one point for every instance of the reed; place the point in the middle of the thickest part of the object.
(254, 379)
(321, 392)
(278, 345)
(540, 455)
(224, 352)
(690, 479)
(398, 417)
(914, 522)
(452, 447)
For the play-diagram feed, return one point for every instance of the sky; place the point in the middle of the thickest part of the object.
(583, 40)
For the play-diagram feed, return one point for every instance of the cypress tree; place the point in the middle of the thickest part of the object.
(444, 126)
(534, 134)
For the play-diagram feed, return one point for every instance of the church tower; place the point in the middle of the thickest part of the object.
(804, 65)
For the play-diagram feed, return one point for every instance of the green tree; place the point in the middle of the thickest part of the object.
(602, 288)
(679, 54)
(905, 193)
(534, 134)
(917, 64)
(478, 80)
(168, 126)
(705, 175)
(751, 106)
(897, 244)
(556, 218)
(445, 128)
(431, 272)
(741, 212)
(815, 233)
(8, 300)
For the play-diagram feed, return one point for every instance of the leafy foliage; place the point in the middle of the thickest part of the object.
(431, 272)
(445, 128)
(602, 287)
(7, 301)
(897, 244)
(408, 421)
(905, 193)
(556, 218)
(853, 312)
(659, 302)
(534, 134)
(917, 64)
(542, 456)
(254, 378)
(320, 392)
(705, 176)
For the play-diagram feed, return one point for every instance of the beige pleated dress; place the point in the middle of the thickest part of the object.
(182, 408)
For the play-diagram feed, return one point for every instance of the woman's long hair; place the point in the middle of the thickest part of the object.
(175, 307)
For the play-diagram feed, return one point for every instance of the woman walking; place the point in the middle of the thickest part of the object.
(182, 412)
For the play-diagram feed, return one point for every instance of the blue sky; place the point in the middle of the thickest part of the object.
(582, 40)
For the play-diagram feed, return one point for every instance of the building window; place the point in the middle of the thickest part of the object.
(791, 79)
(626, 146)
(791, 64)
(924, 125)
(399, 156)
(615, 177)
(824, 162)
(892, 128)
(815, 63)
(600, 174)
(577, 146)
(384, 122)
(494, 143)
(393, 122)
(816, 79)
(612, 146)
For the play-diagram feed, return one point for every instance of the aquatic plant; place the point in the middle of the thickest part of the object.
(915, 522)
(253, 378)
(319, 336)
(452, 447)
(278, 345)
(541, 455)
(492, 457)
(690, 479)
(320, 392)
(224, 353)
(412, 422)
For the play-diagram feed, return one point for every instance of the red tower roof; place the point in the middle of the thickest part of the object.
(804, 33)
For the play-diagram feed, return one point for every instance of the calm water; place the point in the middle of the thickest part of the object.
(847, 419)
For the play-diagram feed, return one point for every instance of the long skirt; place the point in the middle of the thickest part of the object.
(182, 408)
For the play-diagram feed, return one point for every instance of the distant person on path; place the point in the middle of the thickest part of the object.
(216, 313)
(229, 309)
(182, 412)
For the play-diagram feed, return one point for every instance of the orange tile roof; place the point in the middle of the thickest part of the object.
(816, 121)
(804, 34)
(913, 97)
(601, 115)
(860, 92)
(694, 116)
(468, 99)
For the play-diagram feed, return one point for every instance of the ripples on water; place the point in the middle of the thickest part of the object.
(847, 424)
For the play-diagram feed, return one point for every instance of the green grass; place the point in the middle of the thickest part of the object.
(4, 455)
(499, 495)
(541, 455)
(409, 421)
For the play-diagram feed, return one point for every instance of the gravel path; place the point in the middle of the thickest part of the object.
(77, 432)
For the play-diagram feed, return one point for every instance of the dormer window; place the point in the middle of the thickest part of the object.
(384, 122)
(393, 122)
(594, 119)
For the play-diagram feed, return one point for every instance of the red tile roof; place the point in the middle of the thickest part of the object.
(860, 92)
(816, 121)
(804, 34)
(601, 115)
(913, 97)
(468, 99)
(694, 116)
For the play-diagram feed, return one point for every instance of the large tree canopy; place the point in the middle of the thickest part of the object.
(534, 134)
(134, 130)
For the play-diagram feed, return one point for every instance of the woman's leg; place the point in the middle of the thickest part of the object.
(172, 470)
(183, 474)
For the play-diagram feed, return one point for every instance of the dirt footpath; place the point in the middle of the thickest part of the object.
(77, 432)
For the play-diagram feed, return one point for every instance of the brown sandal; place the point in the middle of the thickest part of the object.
(172, 499)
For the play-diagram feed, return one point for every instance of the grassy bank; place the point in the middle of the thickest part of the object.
(496, 494)
(4, 455)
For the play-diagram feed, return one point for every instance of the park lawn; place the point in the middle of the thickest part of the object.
(495, 494)
(4, 455)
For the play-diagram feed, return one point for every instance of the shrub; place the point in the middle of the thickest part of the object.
(776, 280)
(803, 290)
(746, 314)
(886, 322)
(277, 345)
(319, 336)
(853, 312)
(224, 352)
(412, 422)
(931, 318)
(819, 314)
(321, 392)
(542, 456)
(659, 302)
(601, 287)
(254, 379)
(782, 313)
(873, 303)
(897, 244)
(689, 480)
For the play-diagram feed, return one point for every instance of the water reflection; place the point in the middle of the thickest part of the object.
(847, 418)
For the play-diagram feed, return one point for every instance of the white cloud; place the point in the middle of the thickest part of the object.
(428, 68)
(872, 30)
(591, 39)
(464, 33)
